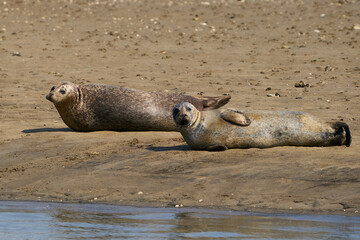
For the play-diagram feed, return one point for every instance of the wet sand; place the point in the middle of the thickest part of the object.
(252, 50)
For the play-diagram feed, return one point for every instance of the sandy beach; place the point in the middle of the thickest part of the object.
(268, 55)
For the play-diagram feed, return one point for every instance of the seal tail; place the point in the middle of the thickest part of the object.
(214, 102)
(342, 129)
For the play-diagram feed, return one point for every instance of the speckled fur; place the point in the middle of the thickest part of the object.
(207, 130)
(94, 107)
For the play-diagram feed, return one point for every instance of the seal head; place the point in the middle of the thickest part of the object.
(63, 93)
(185, 114)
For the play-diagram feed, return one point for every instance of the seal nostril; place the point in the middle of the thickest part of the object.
(184, 120)
(48, 97)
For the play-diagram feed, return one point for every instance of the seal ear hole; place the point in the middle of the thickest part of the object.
(62, 91)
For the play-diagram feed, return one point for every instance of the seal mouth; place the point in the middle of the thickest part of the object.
(184, 120)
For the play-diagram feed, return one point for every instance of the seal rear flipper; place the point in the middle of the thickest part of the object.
(214, 102)
(340, 128)
(235, 117)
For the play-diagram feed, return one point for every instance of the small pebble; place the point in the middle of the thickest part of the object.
(273, 95)
(17, 54)
(356, 27)
(301, 84)
(329, 68)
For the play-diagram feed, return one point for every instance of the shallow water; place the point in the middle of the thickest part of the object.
(39, 220)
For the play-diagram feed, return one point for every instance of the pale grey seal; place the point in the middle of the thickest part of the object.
(221, 129)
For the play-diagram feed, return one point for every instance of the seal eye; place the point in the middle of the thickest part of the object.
(62, 91)
(188, 109)
(176, 111)
(52, 89)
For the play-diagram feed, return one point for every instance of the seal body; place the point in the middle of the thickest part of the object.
(221, 129)
(93, 107)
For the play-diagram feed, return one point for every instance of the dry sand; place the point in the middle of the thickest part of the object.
(249, 49)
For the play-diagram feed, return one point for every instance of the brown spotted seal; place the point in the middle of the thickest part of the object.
(221, 129)
(93, 107)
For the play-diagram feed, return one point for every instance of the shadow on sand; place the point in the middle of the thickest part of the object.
(38, 130)
(171, 148)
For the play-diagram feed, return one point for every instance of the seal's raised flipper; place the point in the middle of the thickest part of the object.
(235, 117)
(342, 129)
(214, 102)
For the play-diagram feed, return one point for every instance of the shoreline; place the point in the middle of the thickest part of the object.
(245, 211)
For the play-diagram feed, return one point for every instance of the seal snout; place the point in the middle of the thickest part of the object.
(184, 119)
(48, 97)
(179, 117)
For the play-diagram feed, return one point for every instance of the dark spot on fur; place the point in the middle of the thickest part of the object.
(278, 133)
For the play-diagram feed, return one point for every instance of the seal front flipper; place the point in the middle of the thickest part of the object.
(235, 117)
(214, 102)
